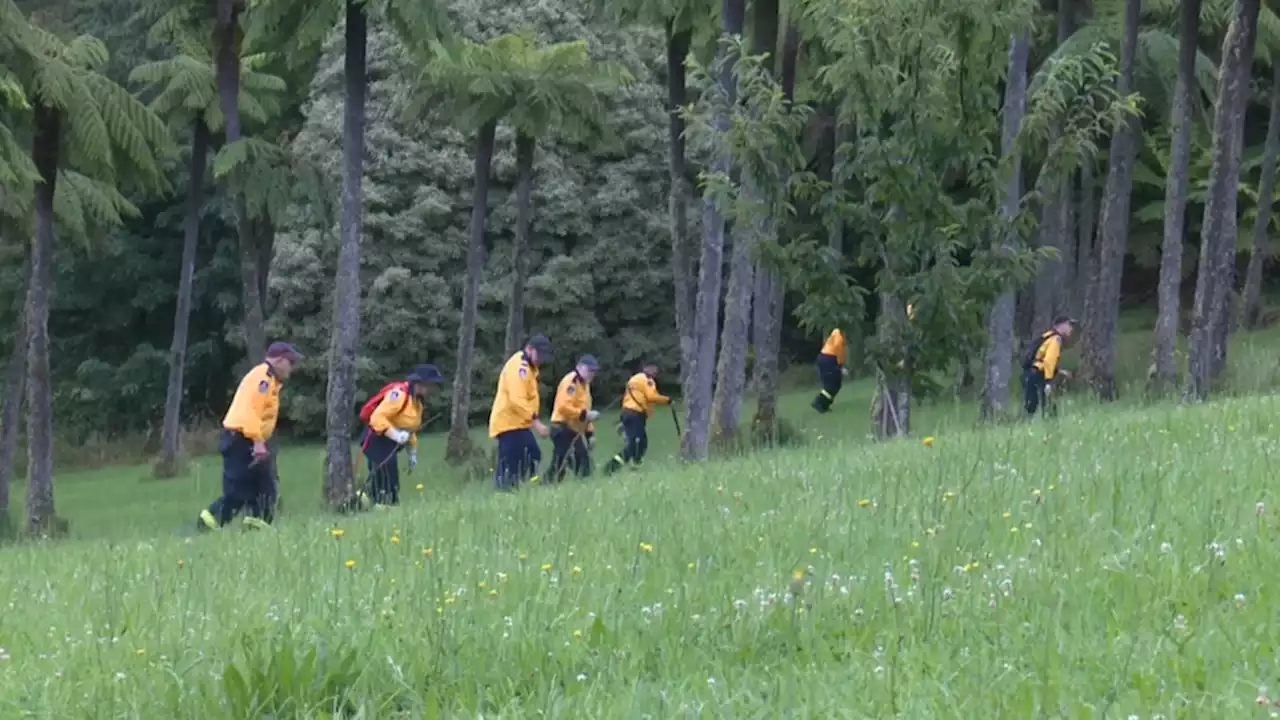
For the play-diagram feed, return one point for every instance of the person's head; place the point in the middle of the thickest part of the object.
(423, 378)
(587, 367)
(1063, 325)
(650, 368)
(281, 356)
(538, 350)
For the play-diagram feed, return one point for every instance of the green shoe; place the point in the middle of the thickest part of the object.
(207, 521)
(254, 523)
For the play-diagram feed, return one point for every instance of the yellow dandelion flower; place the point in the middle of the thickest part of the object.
(864, 502)
(928, 441)
(915, 543)
(546, 567)
(482, 585)
(493, 593)
(337, 533)
(395, 539)
(426, 552)
(418, 487)
(798, 575)
(813, 551)
(450, 600)
(948, 495)
(577, 633)
(351, 564)
(140, 652)
(1036, 492)
(646, 547)
(1053, 487)
(523, 556)
(1013, 531)
(1007, 515)
(502, 577)
(692, 566)
(577, 570)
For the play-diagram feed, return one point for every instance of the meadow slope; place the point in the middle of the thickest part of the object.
(1113, 563)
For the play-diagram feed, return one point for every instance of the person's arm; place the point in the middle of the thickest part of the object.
(257, 388)
(655, 397)
(1052, 353)
(381, 420)
(842, 350)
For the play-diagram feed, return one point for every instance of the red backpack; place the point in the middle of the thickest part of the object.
(366, 412)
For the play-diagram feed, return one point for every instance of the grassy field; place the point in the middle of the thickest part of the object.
(1112, 563)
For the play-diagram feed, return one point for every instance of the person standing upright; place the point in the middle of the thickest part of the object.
(831, 370)
(247, 426)
(1040, 365)
(513, 421)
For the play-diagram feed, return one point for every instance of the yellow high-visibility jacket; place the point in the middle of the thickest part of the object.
(642, 394)
(400, 410)
(516, 404)
(572, 403)
(835, 347)
(1048, 354)
(256, 405)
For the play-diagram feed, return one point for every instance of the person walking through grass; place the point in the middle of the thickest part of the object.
(831, 370)
(638, 401)
(573, 430)
(1040, 366)
(513, 421)
(393, 416)
(247, 426)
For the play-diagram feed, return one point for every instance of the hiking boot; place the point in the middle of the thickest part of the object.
(206, 521)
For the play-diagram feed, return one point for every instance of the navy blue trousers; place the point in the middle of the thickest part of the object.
(635, 435)
(384, 468)
(246, 485)
(518, 458)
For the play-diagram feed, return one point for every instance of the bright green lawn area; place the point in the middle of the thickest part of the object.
(1117, 562)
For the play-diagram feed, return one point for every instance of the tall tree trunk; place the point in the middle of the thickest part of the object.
(1050, 299)
(1175, 198)
(995, 395)
(769, 295)
(11, 411)
(345, 343)
(1086, 255)
(1102, 311)
(170, 434)
(1218, 237)
(459, 448)
(227, 69)
(841, 133)
(683, 259)
(41, 518)
(264, 238)
(1266, 195)
(525, 145)
(891, 407)
(697, 437)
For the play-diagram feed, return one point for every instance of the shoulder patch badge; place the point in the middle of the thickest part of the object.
(651, 383)
(571, 390)
(264, 386)
(524, 372)
(395, 394)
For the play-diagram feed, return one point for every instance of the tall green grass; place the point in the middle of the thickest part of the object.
(1108, 564)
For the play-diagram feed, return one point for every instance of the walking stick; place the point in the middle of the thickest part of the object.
(675, 417)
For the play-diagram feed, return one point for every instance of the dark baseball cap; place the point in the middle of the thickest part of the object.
(283, 350)
(590, 362)
(1065, 319)
(427, 374)
(543, 346)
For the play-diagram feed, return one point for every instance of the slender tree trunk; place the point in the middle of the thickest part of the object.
(697, 438)
(683, 260)
(345, 342)
(459, 448)
(264, 234)
(525, 146)
(995, 395)
(769, 294)
(891, 407)
(1055, 230)
(41, 517)
(731, 367)
(1218, 237)
(1102, 310)
(1175, 199)
(170, 435)
(11, 411)
(1086, 255)
(227, 68)
(1266, 193)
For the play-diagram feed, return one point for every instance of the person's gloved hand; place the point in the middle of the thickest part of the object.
(591, 442)
(397, 435)
(413, 459)
(592, 415)
(844, 371)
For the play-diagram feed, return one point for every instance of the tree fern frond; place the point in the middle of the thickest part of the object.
(90, 139)
(100, 202)
(243, 154)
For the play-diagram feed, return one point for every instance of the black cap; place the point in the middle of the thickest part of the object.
(426, 374)
(283, 350)
(647, 362)
(1065, 320)
(590, 362)
(543, 346)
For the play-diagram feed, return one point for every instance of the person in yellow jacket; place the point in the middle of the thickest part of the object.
(247, 426)
(573, 430)
(1040, 365)
(831, 370)
(394, 424)
(514, 417)
(638, 401)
